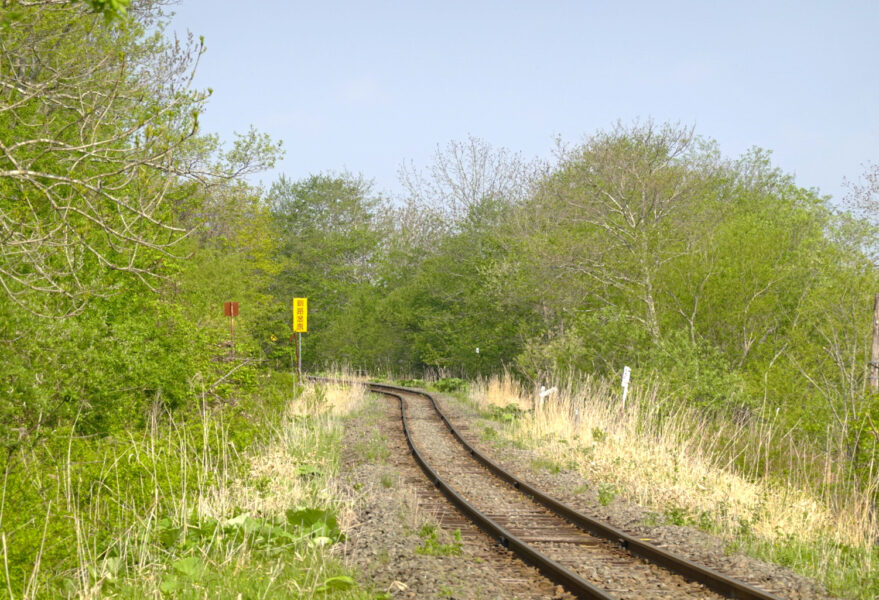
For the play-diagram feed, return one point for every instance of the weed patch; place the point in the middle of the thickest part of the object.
(606, 493)
(546, 464)
(433, 545)
(449, 385)
(388, 480)
(507, 414)
(373, 450)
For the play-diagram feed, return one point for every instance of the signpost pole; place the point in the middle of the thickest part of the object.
(296, 350)
(230, 309)
(299, 354)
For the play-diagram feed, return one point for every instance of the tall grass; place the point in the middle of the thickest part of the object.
(748, 480)
(222, 501)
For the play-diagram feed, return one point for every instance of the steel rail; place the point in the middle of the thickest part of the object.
(710, 578)
(552, 569)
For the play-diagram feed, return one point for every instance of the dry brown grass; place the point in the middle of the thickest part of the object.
(673, 460)
(500, 391)
(292, 470)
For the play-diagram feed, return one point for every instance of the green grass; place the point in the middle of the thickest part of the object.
(373, 450)
(851, 573)
(506, 414)
(225, 501)
(437, 543)
(412, 383)
(545, 464)
(388, 480)
(606, 493)
(489, 434)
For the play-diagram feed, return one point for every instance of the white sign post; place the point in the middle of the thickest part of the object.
(546, 392)
(627, 373)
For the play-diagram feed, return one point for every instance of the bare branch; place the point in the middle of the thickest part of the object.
(97, 129)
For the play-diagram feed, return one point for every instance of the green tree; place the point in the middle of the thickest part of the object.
(330, 245)
(98, 133)
(624, 205)
(448, 264)
(459, 299)
(112, 212)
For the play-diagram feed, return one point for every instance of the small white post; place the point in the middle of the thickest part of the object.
(627, 373)
(546, 392)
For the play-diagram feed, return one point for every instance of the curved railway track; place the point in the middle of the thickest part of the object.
(590, 559)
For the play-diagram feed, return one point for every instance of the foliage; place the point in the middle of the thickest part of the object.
(131, 515)
(506, 414)
(330, 236)
(719, 278)
(449, 384)
(102, 153)
(433, 545)
(415, 383)
(697, 371)
(98, 130)
(110, 8)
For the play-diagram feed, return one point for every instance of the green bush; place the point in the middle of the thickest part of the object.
(450, 384)
(696, 371)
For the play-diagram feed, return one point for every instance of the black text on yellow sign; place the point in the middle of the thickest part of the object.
(300, 315)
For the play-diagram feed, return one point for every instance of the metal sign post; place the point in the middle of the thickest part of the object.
(297, 346)
(300, 326)
(230, 309)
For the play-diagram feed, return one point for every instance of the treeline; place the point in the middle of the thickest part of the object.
(720, 278)
(123, 228)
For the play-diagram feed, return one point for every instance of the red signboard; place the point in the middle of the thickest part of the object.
(230, 309)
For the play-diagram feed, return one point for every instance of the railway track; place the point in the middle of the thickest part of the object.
(590, 559)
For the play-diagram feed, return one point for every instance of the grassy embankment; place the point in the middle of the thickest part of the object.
(750, 483)
(225, 502)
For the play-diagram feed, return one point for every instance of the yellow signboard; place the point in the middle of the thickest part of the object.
(300, 315)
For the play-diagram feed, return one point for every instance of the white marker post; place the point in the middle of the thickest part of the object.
(546, 392)
(627, 373)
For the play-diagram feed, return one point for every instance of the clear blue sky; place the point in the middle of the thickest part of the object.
(365, 85)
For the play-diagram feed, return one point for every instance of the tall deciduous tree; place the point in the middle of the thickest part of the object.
(463, 175)
(622, 207)
(98, 131)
